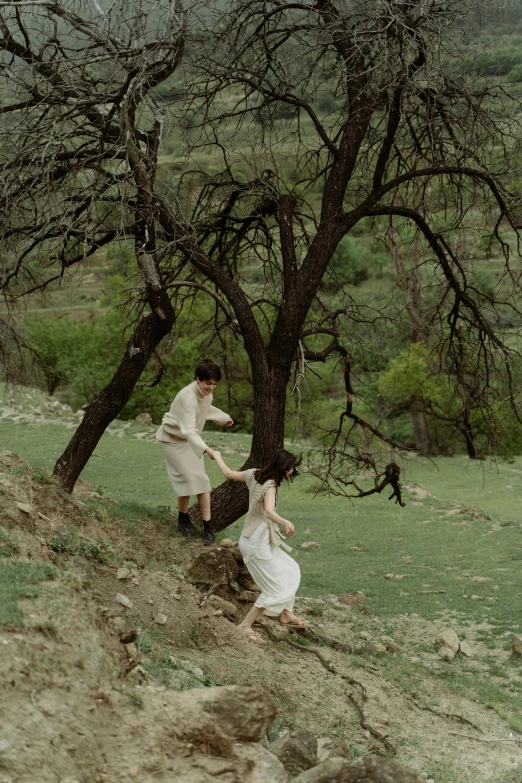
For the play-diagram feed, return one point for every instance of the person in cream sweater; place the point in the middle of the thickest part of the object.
(183, 446)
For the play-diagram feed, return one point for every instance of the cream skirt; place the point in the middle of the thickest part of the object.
(186, 471)
(275, 573)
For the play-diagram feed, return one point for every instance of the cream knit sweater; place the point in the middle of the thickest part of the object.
(186, 418)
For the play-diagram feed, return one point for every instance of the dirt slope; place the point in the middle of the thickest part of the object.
(80, 705)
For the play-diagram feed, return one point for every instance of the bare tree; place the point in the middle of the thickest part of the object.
(401, 137)
(318, 115)
(79, 146)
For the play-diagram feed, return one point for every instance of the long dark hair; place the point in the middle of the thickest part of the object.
(208, 371)
(280, 463)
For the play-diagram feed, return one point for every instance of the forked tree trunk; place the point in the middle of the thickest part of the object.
(112, 399)
(229, 500)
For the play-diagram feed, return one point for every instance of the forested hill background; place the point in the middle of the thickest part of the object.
(76, 329)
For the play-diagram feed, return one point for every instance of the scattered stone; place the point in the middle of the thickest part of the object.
(357, 549)
(389, 576)
(144, 418)
(248, 595)
(310, 545)
(367, 637)
(446, 653)
(516, 645)
(131, 651)
(374, 648)
(25, 507)
(448, 638)
(127, 637)
(161, 619)
(192, 668)
(122, 599)
(371, 769)
(122, 573)
(296, 751)
(466, 650)
(218, 613)
(355, 600)
(228, 543)
(137, 673)
(393, 647)
(217, 566)
(227, 607)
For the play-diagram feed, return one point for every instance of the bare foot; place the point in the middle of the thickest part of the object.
(251, 635)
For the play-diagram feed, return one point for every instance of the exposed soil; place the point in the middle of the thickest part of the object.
(79, 706)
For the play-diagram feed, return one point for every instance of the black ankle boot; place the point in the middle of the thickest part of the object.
(208, 533)
(185, 526)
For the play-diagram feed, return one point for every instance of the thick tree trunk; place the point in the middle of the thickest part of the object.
(112, 399)
(420, 430)
(229, 500)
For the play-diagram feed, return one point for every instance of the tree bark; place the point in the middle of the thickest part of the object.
(112, 399)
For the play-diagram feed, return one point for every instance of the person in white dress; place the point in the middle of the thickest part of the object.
(275, 573)
(183, 446)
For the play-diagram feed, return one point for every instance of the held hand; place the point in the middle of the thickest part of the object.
(289, 528)
(210, 453)
(230, 423)
(217, 455)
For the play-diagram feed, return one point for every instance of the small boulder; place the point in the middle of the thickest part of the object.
(296, 751)
(355, 600)
(227, 607)
(446, 653)
(122, 573)
(144, 418)
(25, 507)
(370, 769)
(228, 543)
(122, 599)
(310, 545)
(466, 650)
(248, 595)
(448, 638)
(374, 648)
(516, 645)
(217, 566)
(160, 619)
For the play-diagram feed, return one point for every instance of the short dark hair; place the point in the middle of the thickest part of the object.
(280, 463)
(208, 371)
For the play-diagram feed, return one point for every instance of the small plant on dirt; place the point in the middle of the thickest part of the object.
(356, 752)
(281, 726)
(100, 549)
(136, 699)
(317, 610)
(9, 545)
(18, 580)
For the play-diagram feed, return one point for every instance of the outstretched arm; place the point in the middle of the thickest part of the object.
(269, 504)
(233, 475)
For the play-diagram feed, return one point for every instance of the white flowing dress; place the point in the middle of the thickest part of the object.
(275, 573)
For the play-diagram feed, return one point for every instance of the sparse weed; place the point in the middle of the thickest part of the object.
(100, 549)
(9, 544)
(136, 699)
(19, 579)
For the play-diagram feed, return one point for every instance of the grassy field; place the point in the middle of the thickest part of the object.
(457, 549)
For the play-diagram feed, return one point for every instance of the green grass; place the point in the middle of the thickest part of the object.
(425, 548)
(20, 580)
(74, 544)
